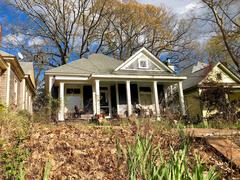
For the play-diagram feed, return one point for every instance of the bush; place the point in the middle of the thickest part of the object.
(14, 125)
(12, 162)
(48, 112)
(14, 128)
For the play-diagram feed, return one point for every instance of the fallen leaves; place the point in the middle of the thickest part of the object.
(83, 151)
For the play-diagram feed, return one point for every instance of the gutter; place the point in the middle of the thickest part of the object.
(138, 77)
(29, 81)
(3, 64)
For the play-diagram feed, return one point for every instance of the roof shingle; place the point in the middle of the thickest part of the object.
(96, 63)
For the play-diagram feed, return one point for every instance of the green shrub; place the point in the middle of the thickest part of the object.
(144, 161)
(12, 162)
(14, 128)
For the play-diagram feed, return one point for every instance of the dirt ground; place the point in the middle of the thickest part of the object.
(83, 151)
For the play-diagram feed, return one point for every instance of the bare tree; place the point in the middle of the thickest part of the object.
(225, 15)
(109, 26)
(134, 25)
(94, 25)
(58, 22)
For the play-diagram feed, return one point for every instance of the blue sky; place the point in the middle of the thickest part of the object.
(9, 16)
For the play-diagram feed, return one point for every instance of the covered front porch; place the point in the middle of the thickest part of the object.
(113, 96)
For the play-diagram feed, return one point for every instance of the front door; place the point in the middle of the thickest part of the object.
(105, 101)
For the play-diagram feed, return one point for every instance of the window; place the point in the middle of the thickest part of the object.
(142, 63)
(144, 89)
(73, 91)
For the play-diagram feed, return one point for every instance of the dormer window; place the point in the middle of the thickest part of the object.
(142, 64)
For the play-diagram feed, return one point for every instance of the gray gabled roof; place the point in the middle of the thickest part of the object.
(194, 78)
(95, 64)
(27, 67)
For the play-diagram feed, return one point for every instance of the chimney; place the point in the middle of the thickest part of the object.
(171, 66)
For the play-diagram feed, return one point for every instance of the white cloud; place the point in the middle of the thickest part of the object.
(36, 41)
(14, 39)
(190, 7)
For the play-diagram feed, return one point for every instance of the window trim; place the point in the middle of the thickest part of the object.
(73, 91)
(142, 67)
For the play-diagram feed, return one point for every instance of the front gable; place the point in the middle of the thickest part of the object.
(143, 60)
(221, 74)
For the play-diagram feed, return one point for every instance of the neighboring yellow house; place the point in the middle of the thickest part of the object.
(198, 76)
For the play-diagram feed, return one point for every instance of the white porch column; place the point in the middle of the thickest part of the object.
(97, 86)
(110, 101)
(181, 98)
(94, 98)
(155, 90)
(171, 90)
(117, 98)
(61, 111)
(50, 83)
(165, 94)
(129, 103)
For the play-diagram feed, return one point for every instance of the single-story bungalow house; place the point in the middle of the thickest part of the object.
(17, 84)
(102, 84)
(199, 77)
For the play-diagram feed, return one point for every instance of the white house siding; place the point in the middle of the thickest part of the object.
(74, 99)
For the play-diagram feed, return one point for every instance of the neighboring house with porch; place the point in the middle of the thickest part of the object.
(200, 77)
(102, 84)
(17, 83)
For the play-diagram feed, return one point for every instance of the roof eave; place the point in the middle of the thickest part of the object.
(3, 64)
(65, 74)
(14, 62)
(110, 76)
(30, 83)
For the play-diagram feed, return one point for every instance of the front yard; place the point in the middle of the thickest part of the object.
(76, 150)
